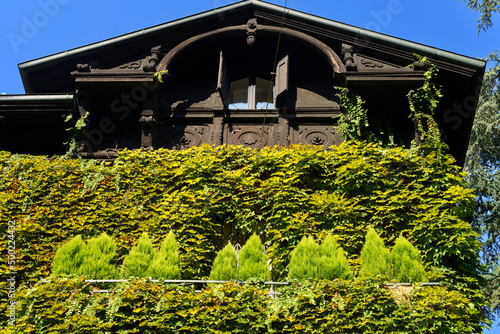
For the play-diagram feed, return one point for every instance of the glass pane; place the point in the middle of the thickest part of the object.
(238, 94)
(264, 90)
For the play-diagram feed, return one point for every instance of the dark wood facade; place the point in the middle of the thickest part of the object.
(228, 82)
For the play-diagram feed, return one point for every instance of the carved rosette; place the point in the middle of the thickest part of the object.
(181, 139)
(250, 136)
(324, 136)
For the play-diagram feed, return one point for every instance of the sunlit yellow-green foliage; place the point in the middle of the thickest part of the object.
(137, 262)
(253, 260)
(375, 257)
(225, 264)
(282, 194)
(313, 307)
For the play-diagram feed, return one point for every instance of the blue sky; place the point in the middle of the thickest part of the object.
(31, 29)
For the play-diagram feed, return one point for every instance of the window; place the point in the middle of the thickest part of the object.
(251, 93)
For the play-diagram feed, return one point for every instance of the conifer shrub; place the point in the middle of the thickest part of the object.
(332, 262)
(68, 258)
(303, 262)
(253, 260)
(376, 259)
(408, 266)
(98, 258)
(138, 260)
(166, 264)
(225, 264)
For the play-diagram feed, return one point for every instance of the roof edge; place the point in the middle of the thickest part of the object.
(133, 35)
(37, 98)
(368, 35)
(360, 33)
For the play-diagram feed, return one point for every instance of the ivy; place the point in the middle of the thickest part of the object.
(281, 194)
(76, 129)
(423, 104)
(158, 76)
(338, 306)
(353, 122)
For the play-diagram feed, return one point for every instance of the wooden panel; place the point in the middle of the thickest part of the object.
(281, 76)
(314, 134)
(249, 135)
(180, 137)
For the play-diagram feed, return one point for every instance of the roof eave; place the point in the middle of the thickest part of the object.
(362, 34)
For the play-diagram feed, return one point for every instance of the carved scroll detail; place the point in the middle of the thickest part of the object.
(153, 60)
(348, 57)
(371, 64)
(132, 66)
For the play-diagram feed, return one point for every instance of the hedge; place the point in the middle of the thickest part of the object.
(282, 194)
(67, 306)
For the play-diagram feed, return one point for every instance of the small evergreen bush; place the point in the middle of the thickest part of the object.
(332, 262)
(166, 264)
(303, 262)
(225, 264)
(375, 257)
(138, 260)
(98, 258)
(68, 258)
(408, 266)
(253, 260)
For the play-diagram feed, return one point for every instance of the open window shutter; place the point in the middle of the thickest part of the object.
(223, 81)
(281, 77)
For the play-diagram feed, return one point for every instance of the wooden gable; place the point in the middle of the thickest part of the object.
(226, 82)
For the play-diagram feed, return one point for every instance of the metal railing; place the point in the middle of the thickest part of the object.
(271, 293)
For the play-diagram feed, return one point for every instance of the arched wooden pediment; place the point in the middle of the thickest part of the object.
(313, 43)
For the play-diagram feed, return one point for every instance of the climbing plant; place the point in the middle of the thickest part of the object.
(282, 194)
(423, 103)
(353, 122)
(76, 129)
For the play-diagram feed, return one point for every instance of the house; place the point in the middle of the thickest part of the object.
(249, 73)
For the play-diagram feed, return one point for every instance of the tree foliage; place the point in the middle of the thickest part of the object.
(407, 263)
(303, 259)
(99, 256)
(166, 263)
(486, 8)
(68, 258)
(376, 259)
(326, 261)
(138, 260)
(332, 261)
(253, 260)
(225, 265)
(94, 259)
